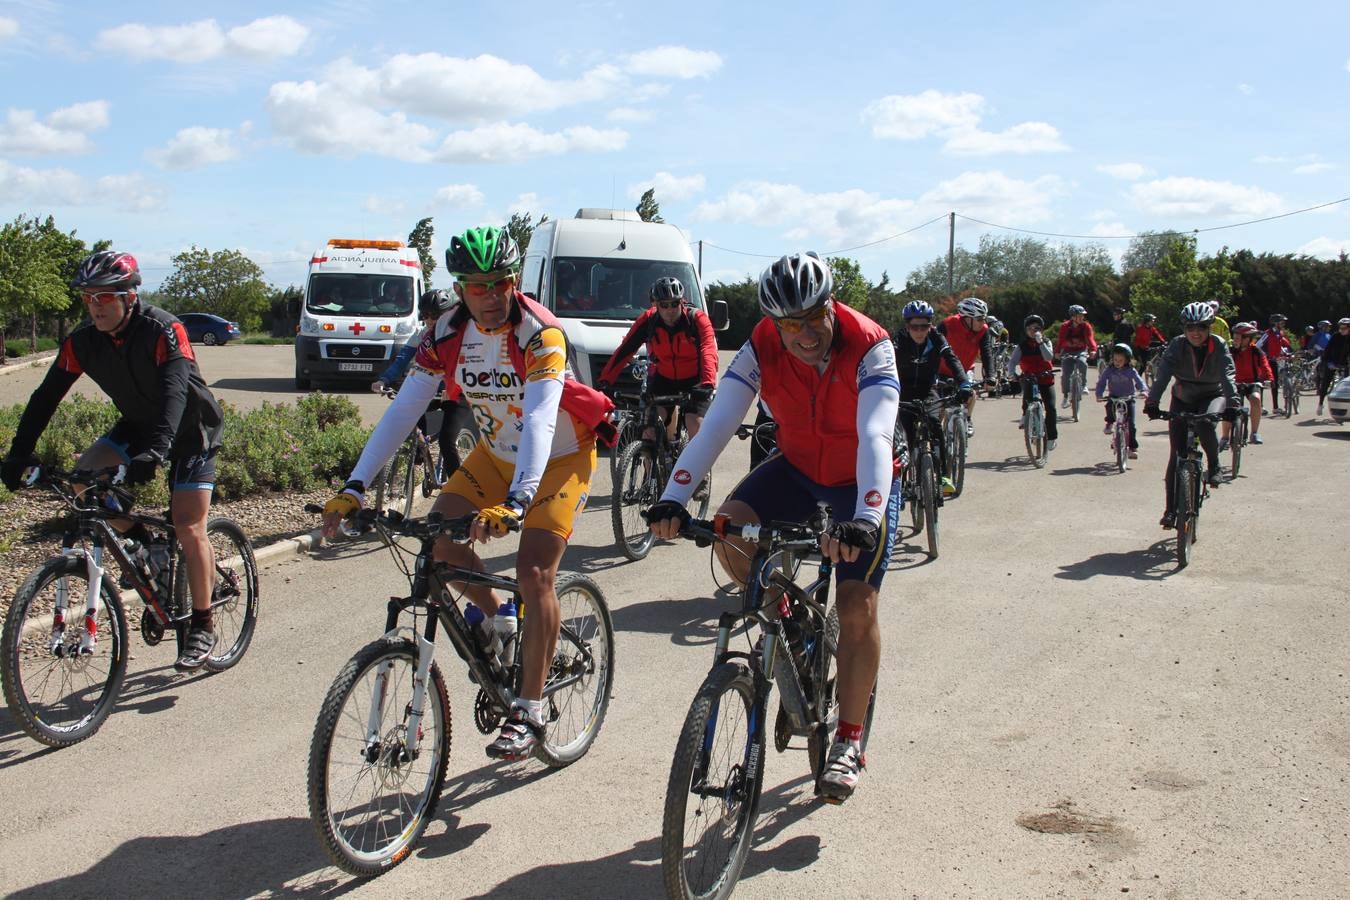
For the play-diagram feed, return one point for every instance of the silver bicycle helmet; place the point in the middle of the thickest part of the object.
(795, 285)
(973, 306)
(1197, 314)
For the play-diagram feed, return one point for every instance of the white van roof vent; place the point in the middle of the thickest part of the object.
(615, 215)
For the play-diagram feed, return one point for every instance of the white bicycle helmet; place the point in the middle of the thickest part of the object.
(795, 285)
(973, 306)
(1197, 314)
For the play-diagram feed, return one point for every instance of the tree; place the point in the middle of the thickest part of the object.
(1180, 278)
(68, 251)
(30, 275)
(648, 208)
(226, 283)
(521, 228)
(1147, 249)
(850, 287)
(420, 238)
(742, 299)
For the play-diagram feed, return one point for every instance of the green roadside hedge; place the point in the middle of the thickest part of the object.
(276, 447)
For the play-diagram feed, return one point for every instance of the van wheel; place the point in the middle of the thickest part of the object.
(301, 382)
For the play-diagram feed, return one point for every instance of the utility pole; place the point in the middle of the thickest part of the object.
(700, 259)
(951, 250)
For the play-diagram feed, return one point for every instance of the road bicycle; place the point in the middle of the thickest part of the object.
(955, 424)
(381, 745)
(1033, 431)
(63, 656)
(1074, 383)
(712, 797)
(419, 464)
(644, 468)
(1189, 490)
(921, 481)
(1122, 419)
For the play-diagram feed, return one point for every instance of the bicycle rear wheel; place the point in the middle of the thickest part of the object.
(58, 696)
(585, 653)
(1183, 501)
(636, 488)
(372, 795)
(956, 454)
(712, 797)
(394, 484)
(931, 488)
(234, 595)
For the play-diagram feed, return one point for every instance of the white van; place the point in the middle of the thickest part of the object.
(595, 272)
(359, 309)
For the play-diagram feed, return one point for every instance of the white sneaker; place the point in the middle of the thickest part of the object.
(842, 770)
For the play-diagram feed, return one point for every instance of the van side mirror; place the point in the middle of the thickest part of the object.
(720, 314)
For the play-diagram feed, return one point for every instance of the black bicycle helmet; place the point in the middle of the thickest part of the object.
(108, 269)
(1033, 319)
(434, 302)
(667, 289)
(484, 250)
(795, 285)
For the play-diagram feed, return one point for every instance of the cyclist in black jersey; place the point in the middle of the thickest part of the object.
(919, 352)
(140, 356)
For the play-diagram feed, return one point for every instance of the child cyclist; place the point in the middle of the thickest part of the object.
(1121, 379)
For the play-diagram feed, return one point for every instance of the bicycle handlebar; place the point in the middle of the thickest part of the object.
(431, 526)
(747, 430)
(804, 537)
(1190, 416)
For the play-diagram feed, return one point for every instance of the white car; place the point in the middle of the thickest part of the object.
(1338, 401)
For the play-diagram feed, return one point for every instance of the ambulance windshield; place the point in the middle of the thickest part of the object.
(360, 295)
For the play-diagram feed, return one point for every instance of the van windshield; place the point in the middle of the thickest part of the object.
(360, 295)
(585, 288)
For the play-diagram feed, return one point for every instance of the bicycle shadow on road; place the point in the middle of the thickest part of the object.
(636, 872)
(276, 857)
(690, 623)
(1333, 435)
(1010, 464)
(1101, 468)
(1153, 563)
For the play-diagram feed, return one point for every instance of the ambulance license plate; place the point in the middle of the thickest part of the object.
(356, 367)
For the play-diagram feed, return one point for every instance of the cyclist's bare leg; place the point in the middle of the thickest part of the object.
(1254, 401)
(190, 507)
(97, 458)
(453, 506)
(537, 561)
(692, 423)
(736, 565)
(859, 654)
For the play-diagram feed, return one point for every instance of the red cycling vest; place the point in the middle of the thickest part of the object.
(817, 413)
(965, 343)
(687, 350)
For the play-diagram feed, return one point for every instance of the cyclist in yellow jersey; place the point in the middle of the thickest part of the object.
(533, 464)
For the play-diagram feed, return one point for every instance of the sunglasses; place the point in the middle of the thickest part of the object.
(669, 304)
(918, 326)
(795, 324)
(103, 298)
(483, 288)
(1197, 328)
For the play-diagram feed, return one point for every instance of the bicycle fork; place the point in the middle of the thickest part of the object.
(56, 644)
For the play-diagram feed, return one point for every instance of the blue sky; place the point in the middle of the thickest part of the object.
(269, 128)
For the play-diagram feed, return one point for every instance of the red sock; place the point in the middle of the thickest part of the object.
(847, 731)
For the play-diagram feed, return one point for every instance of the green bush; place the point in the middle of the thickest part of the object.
(276, 447)
(16, 347)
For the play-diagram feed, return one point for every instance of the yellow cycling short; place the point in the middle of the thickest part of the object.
(483, 480)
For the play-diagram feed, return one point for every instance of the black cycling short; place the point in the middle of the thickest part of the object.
(192, 471)
(659, 385)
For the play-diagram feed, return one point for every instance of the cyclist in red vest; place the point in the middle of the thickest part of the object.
(1148, 340)
(1252, 372)
(682, 348)
(969, 336)
(1278, 350)
(1073, 344)
(1033, 354)
(827, 374)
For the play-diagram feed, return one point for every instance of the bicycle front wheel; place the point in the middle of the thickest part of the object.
(1184, 502)
(372, 790)
(931, 489)
(914, 497)
(234, 592)
(1235, 445)
(636, 488)
(956, 453)
(1034, 435)
(1122, 444)
(1075, 393)
(58, 686)
(712, 797)
(582, 674)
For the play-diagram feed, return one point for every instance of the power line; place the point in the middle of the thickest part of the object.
(830, 252)
(1124, 237)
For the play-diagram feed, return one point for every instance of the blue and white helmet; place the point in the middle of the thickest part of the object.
(1199, 313)
(917, 309)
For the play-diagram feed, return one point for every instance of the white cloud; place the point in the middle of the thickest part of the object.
(1324, 248)
(956, 119)
(321, 118)
(674, 62)
(993, 195)
(669, 187)
(382, 206)
(459, 196)
(913, 116)
(628, 114)
(506, 142)
(194, 147)
(1313, 168)
(269, 37)
(1126, 171)
(1245, 89)
(62, 187)
(526, 202)
(8, 27)
(1197, 197)
(65, 131)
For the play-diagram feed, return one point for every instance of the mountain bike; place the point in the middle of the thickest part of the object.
(1074, 383)
(1033, 434)
(1288, 386)
(1154, 351)
(1121, 419)
(1305, 372)
(419, 464)
(712, 797)
(644, 468)
(921, 481)
(381, 745)
(63, 656)
(955, 422)
(1189, 490)
(1240, 434)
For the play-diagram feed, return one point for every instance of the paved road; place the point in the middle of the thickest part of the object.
(1051, 663)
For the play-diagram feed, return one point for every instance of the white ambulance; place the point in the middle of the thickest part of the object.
(359, 309)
